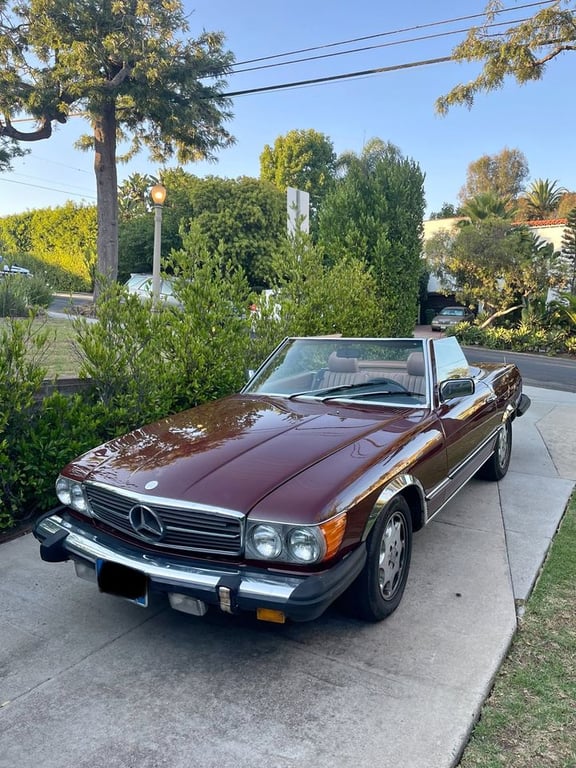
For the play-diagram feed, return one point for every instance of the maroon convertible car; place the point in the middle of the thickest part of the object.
(304, 487)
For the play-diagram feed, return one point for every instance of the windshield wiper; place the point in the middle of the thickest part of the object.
(377, 393)
(326, 390)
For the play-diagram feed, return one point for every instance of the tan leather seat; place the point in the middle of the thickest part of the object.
(342, 371)
(414, 378)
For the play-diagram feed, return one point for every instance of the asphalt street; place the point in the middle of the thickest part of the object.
(88, 680)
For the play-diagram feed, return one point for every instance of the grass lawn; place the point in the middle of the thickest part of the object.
(529, 720)
(60, 358)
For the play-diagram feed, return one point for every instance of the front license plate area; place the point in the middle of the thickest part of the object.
(119, 580)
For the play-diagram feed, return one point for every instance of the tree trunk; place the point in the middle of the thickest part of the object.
(106, 194)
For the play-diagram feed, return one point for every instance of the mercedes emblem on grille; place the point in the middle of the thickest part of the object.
(146, 523)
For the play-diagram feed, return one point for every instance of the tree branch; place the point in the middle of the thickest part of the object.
(119, 77)
(44, 131)
(501, 313)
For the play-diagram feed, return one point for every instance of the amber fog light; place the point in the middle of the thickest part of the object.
(266, 541)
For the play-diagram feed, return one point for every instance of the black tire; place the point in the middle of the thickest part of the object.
(497, 465)
(378, 590)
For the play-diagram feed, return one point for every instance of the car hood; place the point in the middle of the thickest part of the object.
(234, 452)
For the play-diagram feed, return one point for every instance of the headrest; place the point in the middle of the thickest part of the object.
(415, 364)
(342, 364)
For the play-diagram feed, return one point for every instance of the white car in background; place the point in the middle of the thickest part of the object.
(140, 284)
(13, 269)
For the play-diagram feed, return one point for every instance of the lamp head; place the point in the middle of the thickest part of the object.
(158, 194)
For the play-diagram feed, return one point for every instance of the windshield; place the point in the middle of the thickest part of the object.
(391, 371)
(456, 311)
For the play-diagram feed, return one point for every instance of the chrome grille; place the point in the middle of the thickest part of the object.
(191, 529)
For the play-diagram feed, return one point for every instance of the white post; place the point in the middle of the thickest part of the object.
(158, 195)
(157, 254)
(298, 205)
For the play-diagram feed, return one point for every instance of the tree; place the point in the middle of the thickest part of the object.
(9, 149)
(502, 175)
(304, 159)
(374, 213)
(448, 211)
(567, 202)
(243, 219)
(134, 195)
(312, 298)
(494, 264)
(569, 251)
(522, 51)
(126, 66)
(485, 206)
(543, 199)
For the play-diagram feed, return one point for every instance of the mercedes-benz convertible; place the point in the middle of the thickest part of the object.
(303, 488)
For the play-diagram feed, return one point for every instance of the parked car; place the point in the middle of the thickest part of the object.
(451, 316)
(304, 487)
(14, 269)
(141, 285)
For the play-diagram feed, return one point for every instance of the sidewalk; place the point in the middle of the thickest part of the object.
(107, 683)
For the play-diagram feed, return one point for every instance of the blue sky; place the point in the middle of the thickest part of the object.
(537, 118)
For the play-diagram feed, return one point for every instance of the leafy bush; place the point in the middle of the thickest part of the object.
(20, 293)
(147, 362)
(522, 338)
(21, 376)
(58, 244)
(13, 301)
(61, 428)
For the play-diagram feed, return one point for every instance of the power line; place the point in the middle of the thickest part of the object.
(30, 176)
(389, 33)
(334, 78)
(50, 189)
(434, 36)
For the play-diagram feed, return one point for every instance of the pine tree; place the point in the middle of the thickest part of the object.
(569, 250)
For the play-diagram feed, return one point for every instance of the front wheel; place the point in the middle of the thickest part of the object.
(497, 465)
(378, 590)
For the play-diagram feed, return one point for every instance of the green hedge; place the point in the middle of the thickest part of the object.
(522, 338)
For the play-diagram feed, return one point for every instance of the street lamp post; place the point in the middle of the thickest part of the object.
(158, 194)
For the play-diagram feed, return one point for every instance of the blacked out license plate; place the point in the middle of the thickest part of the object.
(122, 581)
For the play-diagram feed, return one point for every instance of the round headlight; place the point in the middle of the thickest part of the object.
(63, 491)
(303, 545)
(78, 500)
(266, 541)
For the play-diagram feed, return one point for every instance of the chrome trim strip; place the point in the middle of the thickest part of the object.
(143, 498)
(87, 547)
(472, 456)
(394, 487)
(462, 466)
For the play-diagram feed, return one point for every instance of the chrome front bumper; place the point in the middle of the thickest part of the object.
(233, 589)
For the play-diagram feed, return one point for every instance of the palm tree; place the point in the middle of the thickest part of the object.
(543, 198)
(486, 205)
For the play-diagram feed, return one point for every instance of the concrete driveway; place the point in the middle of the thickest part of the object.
(89, 681)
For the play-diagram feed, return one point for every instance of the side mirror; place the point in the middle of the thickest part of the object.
(452, 388)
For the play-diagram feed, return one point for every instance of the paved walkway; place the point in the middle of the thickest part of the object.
(88, 680)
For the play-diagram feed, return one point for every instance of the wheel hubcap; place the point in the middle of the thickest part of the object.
(392, 556)
(503, 447)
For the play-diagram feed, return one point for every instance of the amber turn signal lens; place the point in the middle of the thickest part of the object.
(333, 532)
(267, 614)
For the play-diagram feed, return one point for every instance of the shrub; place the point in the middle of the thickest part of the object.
(147, 362)
(19, 293)
(60, 429)
(526, 337)
(13, 301)
(21, 376)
